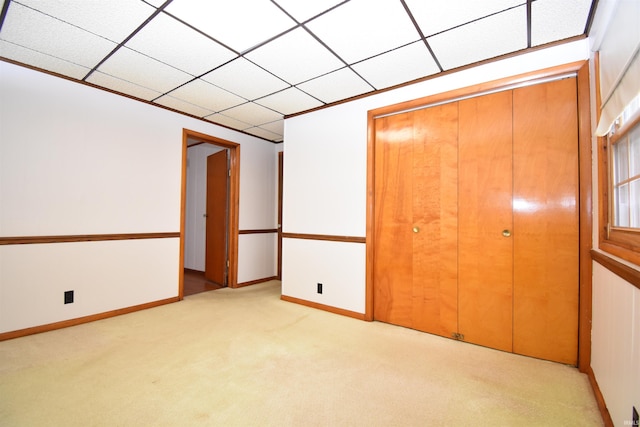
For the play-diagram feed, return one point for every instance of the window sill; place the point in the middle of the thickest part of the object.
(628, 273)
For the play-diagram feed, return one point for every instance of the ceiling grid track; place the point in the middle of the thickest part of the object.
(122, 43)
(248, 65)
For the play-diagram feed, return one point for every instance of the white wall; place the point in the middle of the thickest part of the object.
(615, 342)
(196, 205)
(258, 182)
(257, 253)
(325, 176)
(77, 160)
(339, 267)
(103, 275)
(615, 335)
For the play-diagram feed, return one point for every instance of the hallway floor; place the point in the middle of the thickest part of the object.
(194, 283)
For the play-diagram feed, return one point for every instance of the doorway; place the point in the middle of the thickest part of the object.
(223, 224)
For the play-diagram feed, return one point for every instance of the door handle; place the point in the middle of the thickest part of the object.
(416, 229)
(506, 233)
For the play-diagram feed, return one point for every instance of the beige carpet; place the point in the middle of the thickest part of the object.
(245, 358)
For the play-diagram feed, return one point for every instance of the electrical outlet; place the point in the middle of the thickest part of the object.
(68, 297)
(319, 288)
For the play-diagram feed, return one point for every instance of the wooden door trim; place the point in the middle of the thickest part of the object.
(586, 218)
(280, 193)
(581, 69)
(234, 203)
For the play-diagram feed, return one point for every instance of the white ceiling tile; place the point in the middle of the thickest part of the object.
(487, 38)
(263, 133)
(238, 24)
(122, 86)
(253, 114)
(136, 68)
(33, 30)
(42, 60)
(304, 10)
(434, 16)
(557, 19)
(295, 57)
(399, 66)
(366, 28)
(289, 101)
(174, 43)
(206, 95)
(376, 37)
(276, 127)
(245, 79)
(221, 119)
(180, 105)
(336, 86)
(113, 19)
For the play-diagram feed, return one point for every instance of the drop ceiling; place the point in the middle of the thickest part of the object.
(245, 64)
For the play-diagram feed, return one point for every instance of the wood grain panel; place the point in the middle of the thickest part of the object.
(415, 273)
(485, 189)
(435, 214)
(546, 222)
(393, 252)
(217, 218)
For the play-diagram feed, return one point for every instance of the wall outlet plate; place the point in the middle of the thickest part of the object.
(68, 297)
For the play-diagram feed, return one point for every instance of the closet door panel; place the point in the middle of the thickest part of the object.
(415, 249)
(485, 221)
(435, 219)
(546, 221)
(393, 248)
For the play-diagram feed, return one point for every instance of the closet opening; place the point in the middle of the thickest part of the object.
(437, 222)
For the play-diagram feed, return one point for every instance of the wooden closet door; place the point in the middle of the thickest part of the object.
(393, 248)
(546, 222)
(415, 249)
(485, 287)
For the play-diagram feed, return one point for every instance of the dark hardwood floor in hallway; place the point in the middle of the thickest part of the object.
(194, 283)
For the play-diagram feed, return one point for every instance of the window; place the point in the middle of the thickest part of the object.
(621, 190)
(626, 173)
